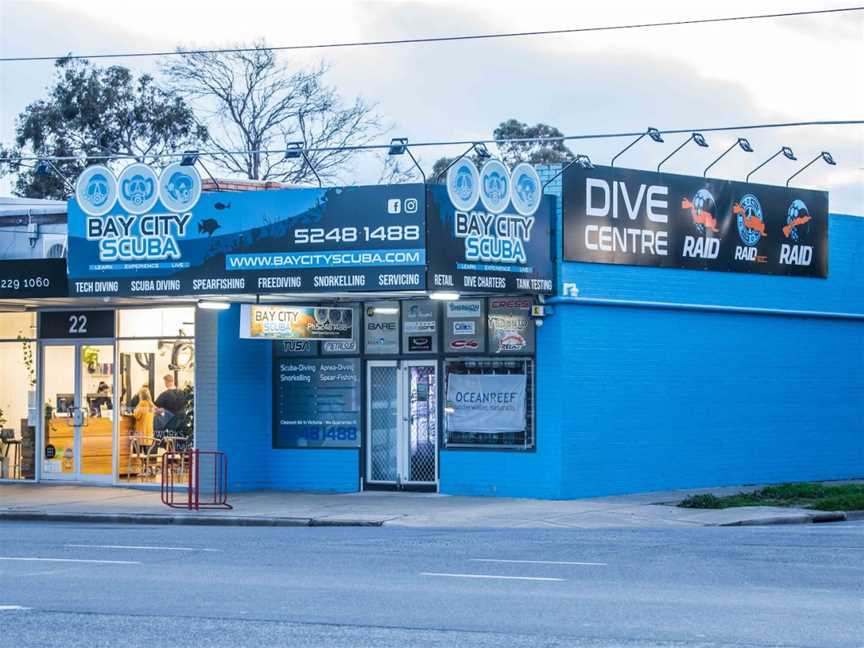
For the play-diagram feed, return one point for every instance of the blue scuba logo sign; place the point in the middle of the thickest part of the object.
(138, 188)
(495, 186)
(526, 190)
(96, 191)
(179, 187)
(463, 184)
(492, 236)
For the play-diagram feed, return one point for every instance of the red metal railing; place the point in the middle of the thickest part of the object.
(195, 479)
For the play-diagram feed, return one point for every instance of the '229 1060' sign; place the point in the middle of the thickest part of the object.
(629, 217)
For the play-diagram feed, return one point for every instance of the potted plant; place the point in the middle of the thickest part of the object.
(90, 357)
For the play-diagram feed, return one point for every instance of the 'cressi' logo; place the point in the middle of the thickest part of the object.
(797, 221)
(751, 222)
(703, 211)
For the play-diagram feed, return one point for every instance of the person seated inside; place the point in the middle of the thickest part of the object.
(170, 406)
(102, 399)
(144, 413)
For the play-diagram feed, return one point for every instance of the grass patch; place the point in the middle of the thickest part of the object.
(821, 497)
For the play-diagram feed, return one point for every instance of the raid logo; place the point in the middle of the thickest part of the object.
(702, 210)
(795, 231)
(751, 228)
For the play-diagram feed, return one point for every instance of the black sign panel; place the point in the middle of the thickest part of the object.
(27, 278)
(321, 240)
(478, 251)
(628, 217)
(76, 324)
(316, 403)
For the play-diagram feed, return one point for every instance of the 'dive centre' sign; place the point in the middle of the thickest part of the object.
(628, 217)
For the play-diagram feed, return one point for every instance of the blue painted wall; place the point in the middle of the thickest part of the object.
(661, 399)
(245, 424)
(243, 404)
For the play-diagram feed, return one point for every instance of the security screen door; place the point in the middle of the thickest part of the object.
(402, 422)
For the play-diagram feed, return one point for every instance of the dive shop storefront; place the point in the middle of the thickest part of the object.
(621, 331)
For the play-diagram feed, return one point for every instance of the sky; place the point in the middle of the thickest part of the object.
(692, 77)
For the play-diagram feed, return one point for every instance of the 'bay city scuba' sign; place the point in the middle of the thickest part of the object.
(628, 217)
(148, 234)
(490, 231)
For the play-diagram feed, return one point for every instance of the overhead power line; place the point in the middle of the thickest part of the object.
(440, 39)
(373, 147)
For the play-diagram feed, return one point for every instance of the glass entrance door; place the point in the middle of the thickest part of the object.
(402, 423)
(78, 415)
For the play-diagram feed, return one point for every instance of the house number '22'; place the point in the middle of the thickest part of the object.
(77, 324)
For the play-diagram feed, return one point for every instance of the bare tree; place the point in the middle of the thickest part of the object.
(252, 103)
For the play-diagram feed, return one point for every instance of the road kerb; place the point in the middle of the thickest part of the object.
(181, 519)
(794, 518)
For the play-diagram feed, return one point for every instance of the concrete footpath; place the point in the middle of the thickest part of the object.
(64, 503)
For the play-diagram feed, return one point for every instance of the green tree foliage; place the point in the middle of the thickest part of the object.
(512, 153)
(92, 111)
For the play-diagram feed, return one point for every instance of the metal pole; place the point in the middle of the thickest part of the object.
(306, 159)
(416, 164)
(705, 173)
(747, 179)
(789, 179)
(627, 148)
(447, 168)
(687, 141)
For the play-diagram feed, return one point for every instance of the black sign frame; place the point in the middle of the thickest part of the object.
(79, 324)
(629, 217)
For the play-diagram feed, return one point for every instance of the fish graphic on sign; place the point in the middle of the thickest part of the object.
(208, 225)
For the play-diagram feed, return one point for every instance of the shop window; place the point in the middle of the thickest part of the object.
(485, 411)
(157, 322)
(160, 359)
(14, 326)
(18, 409)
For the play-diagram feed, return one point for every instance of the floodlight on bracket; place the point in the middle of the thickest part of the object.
(651, 132)
(742, 142)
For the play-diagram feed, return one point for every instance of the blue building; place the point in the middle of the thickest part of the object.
(557, 377)
(643, 379)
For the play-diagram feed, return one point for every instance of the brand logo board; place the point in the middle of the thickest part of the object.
(628, 217)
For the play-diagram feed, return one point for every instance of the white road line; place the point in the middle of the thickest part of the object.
(70, 560)
(526, 578)
(536, 562)
(12, 608)
(90, 546)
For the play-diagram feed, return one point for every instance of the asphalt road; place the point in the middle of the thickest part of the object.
(93, 585)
